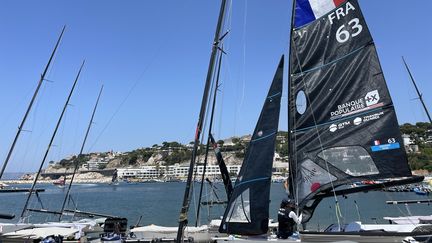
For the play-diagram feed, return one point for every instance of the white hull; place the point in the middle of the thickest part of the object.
(378, 237)
(154, 232)
(77, 231)
(326, 237)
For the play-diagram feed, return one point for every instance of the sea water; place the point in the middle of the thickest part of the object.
(160, 203)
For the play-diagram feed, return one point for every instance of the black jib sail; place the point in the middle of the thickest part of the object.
(343, 126)
(247, 212)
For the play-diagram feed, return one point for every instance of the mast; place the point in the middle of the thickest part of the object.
(208, 137)
(80, 155)
(20, 127)
(290, 100)
(420, 95)
(50, 143)
(185, 206)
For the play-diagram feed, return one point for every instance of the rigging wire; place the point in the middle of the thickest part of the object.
(134, 85)
(210, 104)
(17, 106)
(128, 94)
(239, 103)
(203, 135)
(226, 43)
(31, 131)
(244, 54)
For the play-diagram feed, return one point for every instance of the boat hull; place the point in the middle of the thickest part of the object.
(363, 237)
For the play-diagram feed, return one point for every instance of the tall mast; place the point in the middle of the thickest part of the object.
(80, 155)
(185, 206)
(20, 127)
(290, 101)
(420, 95)
(50, 143)
(208, 138)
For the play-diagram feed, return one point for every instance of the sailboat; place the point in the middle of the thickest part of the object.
(4, 187)
(343, 128)
(114, 178)
(82, 230)
(347, 131)
(247, 211)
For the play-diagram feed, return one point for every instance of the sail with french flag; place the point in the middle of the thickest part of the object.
(307, 11)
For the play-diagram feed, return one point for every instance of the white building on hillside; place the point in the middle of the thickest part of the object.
(177, 171)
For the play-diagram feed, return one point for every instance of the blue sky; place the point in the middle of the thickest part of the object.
(152, 56)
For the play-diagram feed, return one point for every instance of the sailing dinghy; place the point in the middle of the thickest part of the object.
(347, 130)
(343, 128)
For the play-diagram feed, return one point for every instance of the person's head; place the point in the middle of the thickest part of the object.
(287, 203)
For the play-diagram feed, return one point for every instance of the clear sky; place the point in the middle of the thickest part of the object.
(152, 56)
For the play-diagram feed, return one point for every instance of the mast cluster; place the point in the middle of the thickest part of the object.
(32, 190)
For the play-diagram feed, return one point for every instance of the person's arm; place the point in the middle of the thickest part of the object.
(295, 218)
(286, 187)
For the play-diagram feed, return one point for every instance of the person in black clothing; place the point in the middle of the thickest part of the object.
(287, 219)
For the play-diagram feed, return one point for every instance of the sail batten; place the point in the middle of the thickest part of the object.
(343, 125)
(247, 212)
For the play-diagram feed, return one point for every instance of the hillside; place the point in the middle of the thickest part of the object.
(167, 153)
(419, 147)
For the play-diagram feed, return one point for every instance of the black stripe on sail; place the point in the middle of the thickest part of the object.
(247, 212)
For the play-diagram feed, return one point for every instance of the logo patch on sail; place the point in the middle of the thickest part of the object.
(356, 122)
(372, 98)
(369, 101)
(392, 144)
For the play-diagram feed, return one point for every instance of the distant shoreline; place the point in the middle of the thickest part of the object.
(76, 181)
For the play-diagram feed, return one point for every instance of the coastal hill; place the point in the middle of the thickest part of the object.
(166, 154)
(417, 140)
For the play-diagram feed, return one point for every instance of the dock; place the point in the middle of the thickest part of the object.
(12, 190)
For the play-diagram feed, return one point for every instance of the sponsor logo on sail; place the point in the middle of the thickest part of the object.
(358, 121)
(372, 117)
(339, 126)
(333, 128)
(372, 98)
(369, 101)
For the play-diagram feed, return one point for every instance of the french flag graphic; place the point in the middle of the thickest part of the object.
(309, 10)
(377, 142)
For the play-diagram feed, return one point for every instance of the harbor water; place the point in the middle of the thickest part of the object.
(159, 203)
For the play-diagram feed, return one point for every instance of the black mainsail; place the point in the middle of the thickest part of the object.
(247, 212)
(343, 126)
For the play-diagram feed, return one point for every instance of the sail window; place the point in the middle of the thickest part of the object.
(313, 177)
(301, 102)
(354, 161)
(240, 209)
